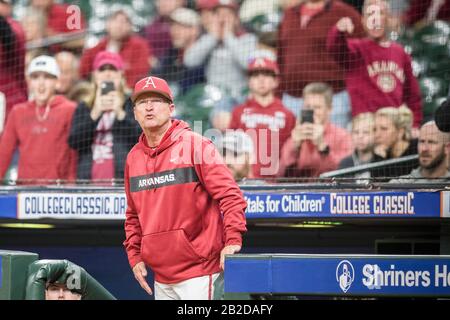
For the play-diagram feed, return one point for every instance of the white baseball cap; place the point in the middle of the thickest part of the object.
(237, 141)
(185, 17)
(45, 64)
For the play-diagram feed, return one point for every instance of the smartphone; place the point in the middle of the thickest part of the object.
(307, 115)
(107, 87)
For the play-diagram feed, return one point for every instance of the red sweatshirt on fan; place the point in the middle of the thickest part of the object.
(376, 76)
(12, 69)
(183, 206)
(43, 149)
(264, 120)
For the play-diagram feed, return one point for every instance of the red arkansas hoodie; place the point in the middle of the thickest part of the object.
(183, 206)
(42, 142)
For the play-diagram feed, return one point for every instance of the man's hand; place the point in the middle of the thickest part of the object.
(231, 249)
(140, 272)
(317, 135)
(302, 132)
(345, 25)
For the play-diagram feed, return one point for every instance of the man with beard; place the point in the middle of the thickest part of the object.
(434, 149)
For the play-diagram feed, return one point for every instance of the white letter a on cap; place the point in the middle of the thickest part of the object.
(149, 82)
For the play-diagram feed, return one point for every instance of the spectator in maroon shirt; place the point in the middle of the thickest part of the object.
(157, 33)
(120, 39)
(378, 71)
(303, 57)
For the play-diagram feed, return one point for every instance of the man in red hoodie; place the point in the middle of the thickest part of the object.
(40, 128)
(185, 211)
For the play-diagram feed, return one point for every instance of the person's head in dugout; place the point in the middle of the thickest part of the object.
(153, 104)
(237, 150)
(60, 291)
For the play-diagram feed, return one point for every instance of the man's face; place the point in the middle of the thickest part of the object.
(262, 83)
(42, 86)
(60, 292)
(207, 17)
(375, 19)
(182, 35)
(317, 103)
(69, 73)
(386, 134)
(431, 147)
(363, 135)
(32, 25)
(119, 27)
(152, 111)
(226, 14)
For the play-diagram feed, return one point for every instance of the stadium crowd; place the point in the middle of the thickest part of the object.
(321, 86)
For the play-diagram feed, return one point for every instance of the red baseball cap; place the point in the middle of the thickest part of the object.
(258, 64)
(152, 84)
(206, 4)
(106, 57)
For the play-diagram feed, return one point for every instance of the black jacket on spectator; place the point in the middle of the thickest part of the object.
(398, 169)
(82, 133)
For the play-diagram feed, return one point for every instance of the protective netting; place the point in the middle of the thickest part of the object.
(322, 89)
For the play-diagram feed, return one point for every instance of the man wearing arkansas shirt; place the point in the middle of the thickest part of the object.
(264, 117)
(185, 212)
(378, 71)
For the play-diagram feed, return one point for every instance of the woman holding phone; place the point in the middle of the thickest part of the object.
(103, 127)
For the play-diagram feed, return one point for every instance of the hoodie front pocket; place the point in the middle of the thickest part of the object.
(169, 252)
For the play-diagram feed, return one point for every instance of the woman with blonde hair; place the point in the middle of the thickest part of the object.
(393, 139)
(103, 127)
